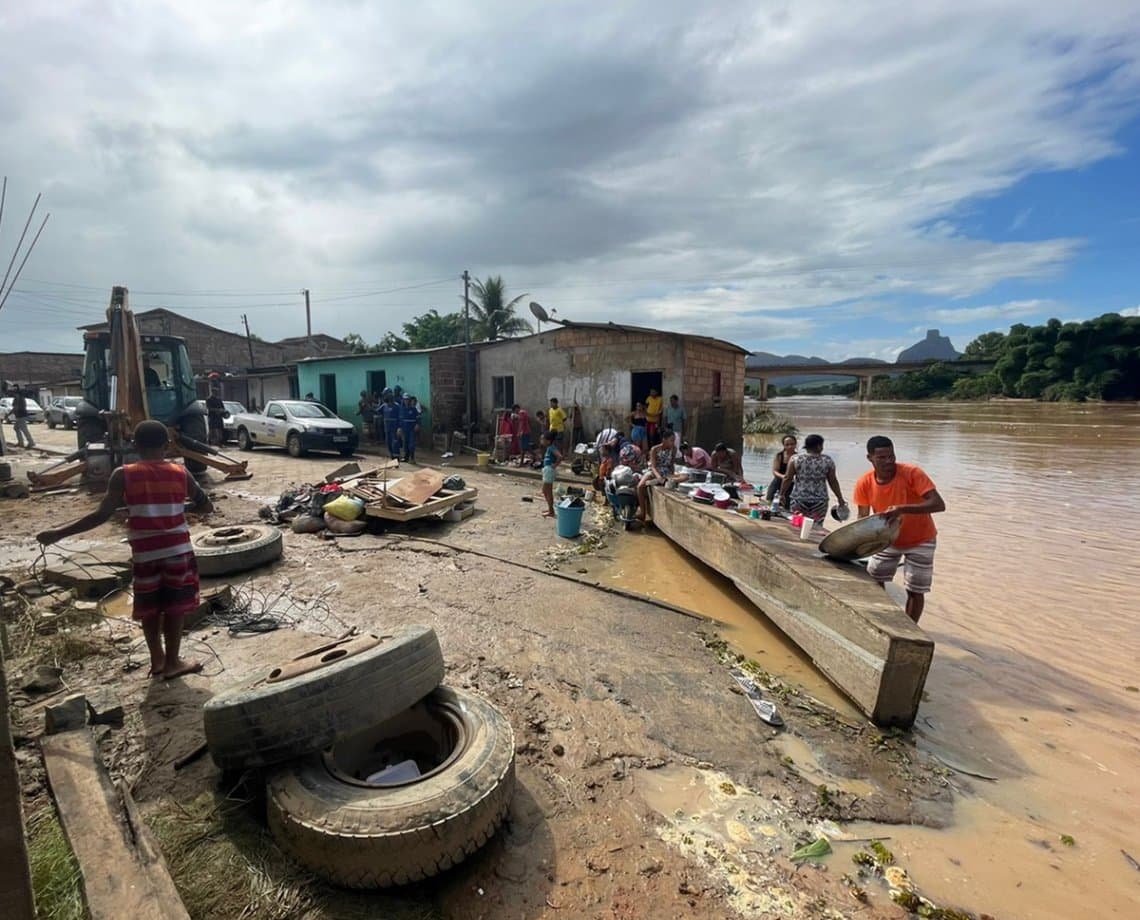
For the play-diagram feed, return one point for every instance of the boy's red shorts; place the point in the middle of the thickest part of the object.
(167, 586)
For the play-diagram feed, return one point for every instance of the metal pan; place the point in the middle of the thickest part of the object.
(861, 537)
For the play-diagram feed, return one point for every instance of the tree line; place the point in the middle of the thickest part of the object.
(492, 317)
(1097, 359)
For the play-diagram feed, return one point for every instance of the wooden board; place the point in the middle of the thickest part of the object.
(434, 505)
(833, 610)
(120, 867)
(418, 487)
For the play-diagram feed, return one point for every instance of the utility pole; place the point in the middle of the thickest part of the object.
(308, 318)
(467, 353)
(249, 341)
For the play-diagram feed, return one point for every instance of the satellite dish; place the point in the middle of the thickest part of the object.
(539, 312)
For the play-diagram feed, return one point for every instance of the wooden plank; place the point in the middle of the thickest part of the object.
(434, 505)
(834, 611)
(120, 867)
(418, 487)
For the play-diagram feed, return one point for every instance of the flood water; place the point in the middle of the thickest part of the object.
(1036, 619)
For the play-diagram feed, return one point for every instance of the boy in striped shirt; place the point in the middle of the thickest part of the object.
(164, 569)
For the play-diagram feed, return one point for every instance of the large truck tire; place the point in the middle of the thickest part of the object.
(306, 704)
(194, 426)
(361, 835)
(225, 550)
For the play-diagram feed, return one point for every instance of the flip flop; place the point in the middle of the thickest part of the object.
(193, 667)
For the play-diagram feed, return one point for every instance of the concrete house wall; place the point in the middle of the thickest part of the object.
(594, 364)
(408, 369)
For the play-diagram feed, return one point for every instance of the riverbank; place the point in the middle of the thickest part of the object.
(647, 787)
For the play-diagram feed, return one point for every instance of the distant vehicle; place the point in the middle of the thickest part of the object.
(297, 425)
(228, 426)
(35, 411)
(61, 411)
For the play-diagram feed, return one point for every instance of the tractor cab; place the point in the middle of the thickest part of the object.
(166, 372)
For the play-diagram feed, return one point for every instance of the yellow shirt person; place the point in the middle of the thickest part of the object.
(556, 418)
(653, 406)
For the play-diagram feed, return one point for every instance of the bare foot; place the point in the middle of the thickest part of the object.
(548, 514)
(157, 666)
(181, 668)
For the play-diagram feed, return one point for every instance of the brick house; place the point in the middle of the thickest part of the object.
(607, 367)
(270, 375)
(42, 369)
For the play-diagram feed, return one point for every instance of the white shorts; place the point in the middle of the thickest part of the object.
(918, 566)
(547, 475)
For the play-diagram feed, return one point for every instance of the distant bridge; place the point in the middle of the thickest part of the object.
(864, 373)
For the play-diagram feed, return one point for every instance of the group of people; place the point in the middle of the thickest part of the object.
(18, 415)
(392, 417)
(902, 491)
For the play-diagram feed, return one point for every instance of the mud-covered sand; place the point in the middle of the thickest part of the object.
(646, 785)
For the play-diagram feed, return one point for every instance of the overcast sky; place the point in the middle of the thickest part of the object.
(825, 178)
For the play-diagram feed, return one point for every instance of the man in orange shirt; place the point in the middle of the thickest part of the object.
(901, 490)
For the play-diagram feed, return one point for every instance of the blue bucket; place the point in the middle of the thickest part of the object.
(569, 520)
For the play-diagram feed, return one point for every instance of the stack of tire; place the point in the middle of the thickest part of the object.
(320, 725)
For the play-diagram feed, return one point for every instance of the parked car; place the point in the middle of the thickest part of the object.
(229, 427)
(35, 411)
(61, 411)
(299, 426)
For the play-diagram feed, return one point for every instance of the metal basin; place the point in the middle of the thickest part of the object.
(861, 537)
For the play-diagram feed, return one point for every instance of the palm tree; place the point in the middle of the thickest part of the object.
(493, 315)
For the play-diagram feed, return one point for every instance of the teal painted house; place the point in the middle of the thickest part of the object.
(434, 376)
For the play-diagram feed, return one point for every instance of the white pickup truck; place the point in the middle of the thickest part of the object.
(298, 425)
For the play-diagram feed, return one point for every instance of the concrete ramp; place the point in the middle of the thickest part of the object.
(834, 611)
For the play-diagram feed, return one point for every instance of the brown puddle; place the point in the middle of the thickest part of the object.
(650, 563)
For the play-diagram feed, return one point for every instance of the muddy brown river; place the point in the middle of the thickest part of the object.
(1033, 695)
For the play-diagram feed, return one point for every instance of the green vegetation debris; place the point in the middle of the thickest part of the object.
(823, 794)
(864, 859)
(817, 849)
(883, 856)
(1132, 689)
(765, 421)
(55, 873)
(727, 788)
(1068, 840)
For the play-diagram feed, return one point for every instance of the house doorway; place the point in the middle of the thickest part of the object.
(640, 383)
(377, 380)
(328, 391)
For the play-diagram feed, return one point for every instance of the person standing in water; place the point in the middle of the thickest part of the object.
(901, 491)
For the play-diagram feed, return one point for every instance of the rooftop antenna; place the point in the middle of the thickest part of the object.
(16, 252)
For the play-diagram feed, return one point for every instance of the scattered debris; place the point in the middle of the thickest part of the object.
(817, 849)
(104, 707)
(47, 678)
(67, 715)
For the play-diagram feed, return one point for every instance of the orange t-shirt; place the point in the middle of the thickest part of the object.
(907, 488)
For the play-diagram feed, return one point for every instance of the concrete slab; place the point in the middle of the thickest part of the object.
(67, 715)
(834, 611)
(104, 707)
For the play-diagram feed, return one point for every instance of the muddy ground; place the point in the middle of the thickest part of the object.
(646, 785)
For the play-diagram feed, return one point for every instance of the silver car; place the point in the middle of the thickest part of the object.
(35, 413)
(61, 411)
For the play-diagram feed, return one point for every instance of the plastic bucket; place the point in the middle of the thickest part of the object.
(482, 459)
(569, 521)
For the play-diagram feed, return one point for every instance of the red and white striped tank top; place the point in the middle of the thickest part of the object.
(156, 492)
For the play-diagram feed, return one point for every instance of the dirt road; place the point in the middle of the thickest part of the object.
(647, 787)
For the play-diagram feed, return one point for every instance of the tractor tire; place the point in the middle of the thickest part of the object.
(285, 715)
(88, 430)
(293, 445)
(51, 424)
(225, 550)
(194, 426)
(360, 835)
(245, 442)
(68, 423)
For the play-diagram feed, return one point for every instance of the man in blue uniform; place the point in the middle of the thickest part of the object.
(389, 414)
(409, 425)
